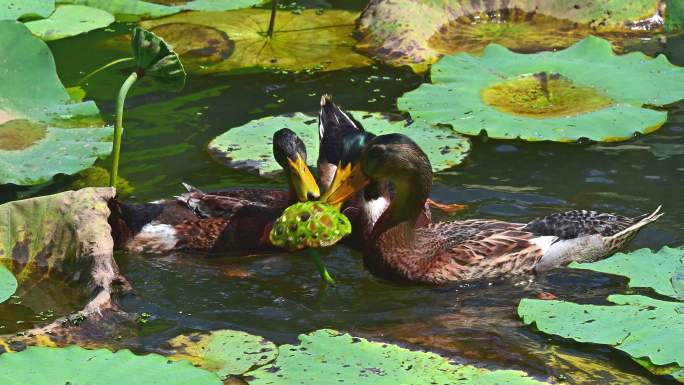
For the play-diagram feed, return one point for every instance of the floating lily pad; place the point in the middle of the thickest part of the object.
(70, 20)
(18, 9)
(579, 92)
(651, 331)
(38, 119)
(644, 268)
(249, 146)
(8, 284)
(309, 40)
(309, 225)
(417, 32)
(138, 9)
(329, 357)
(224, 352)
(75, 365)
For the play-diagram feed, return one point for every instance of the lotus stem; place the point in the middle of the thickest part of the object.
(104, 67)
(271, 23)
(315, 254)
(118, 128)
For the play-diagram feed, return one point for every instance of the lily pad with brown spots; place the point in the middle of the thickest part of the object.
(42, 131)
(585, 91)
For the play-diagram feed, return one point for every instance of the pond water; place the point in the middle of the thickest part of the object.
(281, 296)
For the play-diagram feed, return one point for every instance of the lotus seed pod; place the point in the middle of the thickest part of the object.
(309, 225)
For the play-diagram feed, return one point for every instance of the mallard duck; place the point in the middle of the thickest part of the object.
(341, 139)
(230, 221)
(470, 249)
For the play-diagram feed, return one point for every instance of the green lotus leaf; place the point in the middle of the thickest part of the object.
(156, 59)
(75, 365)
(70, 20)
(248, 146)
(8, 284)
(651, 331)
(417, 33)
(579, 92)
(660, 271)
(674, 16)
(329, 357)
(138, 9)
(224, 352)
(309, 225)
(38, 120)
(99, 177)
(300, 41)
(18, 9)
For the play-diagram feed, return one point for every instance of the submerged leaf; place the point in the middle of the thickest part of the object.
(34, 108)
(75, 365)
(584, 91)
(137, 9)
(70, 20)
(417, 32)
(8, 284)
(651, 331)
(224, 352)
(329, 357)
(248, 146)
(300, 41)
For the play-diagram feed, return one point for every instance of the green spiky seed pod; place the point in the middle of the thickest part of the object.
(309, 225)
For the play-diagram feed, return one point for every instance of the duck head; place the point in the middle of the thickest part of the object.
(290, 153)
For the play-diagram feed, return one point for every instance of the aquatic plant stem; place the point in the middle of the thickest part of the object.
(118, 128)
(104, 67)
(316, 255)
(271, 22)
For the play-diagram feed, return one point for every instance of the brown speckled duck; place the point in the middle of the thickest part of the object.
(466, 250)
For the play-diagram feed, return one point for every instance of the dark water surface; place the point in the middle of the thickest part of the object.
(281, 296)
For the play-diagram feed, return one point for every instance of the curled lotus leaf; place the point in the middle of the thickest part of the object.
(224, 352)
(76, 365)
(417, 33)
(309, 225)
(70, 20)
(156, 59)
(307, 41)
(42, 131)
(649, 330)
(19, 9)
(330, 357)
(249, 146)
(579, 92)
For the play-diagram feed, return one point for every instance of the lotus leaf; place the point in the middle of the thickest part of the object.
(300, 41)
(417, 32)
(34, 111)
(309, 225)
(660, 271)
(70, 20)
(224, 352)
(579, 92)
(248, 146)
(17, 9)
(8, 284)
(156, 59)
(137, 9)
(649, 330)
(75, 365)
(329, 357)
(674, 16)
